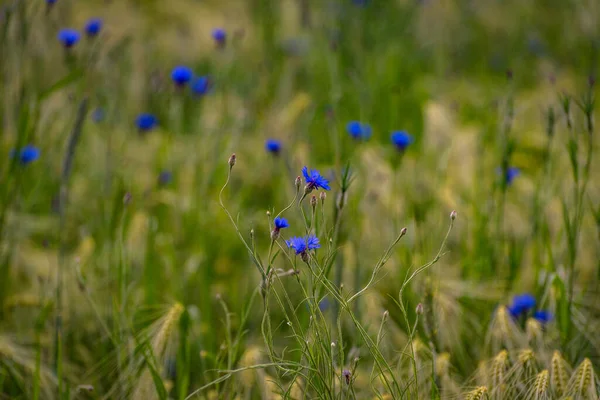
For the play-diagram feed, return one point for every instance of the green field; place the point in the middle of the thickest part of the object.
(443, 242)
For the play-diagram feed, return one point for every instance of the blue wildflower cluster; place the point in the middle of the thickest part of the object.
(302, 245)
(314, 180)
(401, 140)
(93, 27)
(358, 130)
(69, 37)
(145, 122)
(27, 154)
(220, 36)
(273, 146)
(523, 304)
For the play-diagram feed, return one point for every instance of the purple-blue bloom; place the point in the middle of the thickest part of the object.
(314, 180)
(146, 122)
(200, 85)
(401, 139)
(273, 146)
(521, 304)
(165, 177)
(280, 223)
(68, 37)
(543, 316)
(93, 27)
(28, 154)
(98, 115)
(511, 174)
(303, 244)
(358, 130)
(181, 75)
(219, 35)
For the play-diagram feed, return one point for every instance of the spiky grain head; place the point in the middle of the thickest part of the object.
(559, 375)
(503, 332)
(159, 334)
(541, 386)
(478, 393)
(582, 384)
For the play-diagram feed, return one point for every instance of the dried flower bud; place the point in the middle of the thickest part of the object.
(322, 196)
(274, 234)
(232, 160)
(419, 309)
(347, 375)
(453, 215)
(268, 213)
(298, 182)
(386, 313)
(313, 201)
(403, 231)
(127, 198)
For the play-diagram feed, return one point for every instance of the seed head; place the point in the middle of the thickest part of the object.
(453, 215)
(232, 160)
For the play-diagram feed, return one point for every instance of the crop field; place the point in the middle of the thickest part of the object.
(299, 199)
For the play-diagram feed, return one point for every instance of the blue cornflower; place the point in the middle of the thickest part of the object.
(511, 174)
(401, 139)
(165, 177)
(98, 115)
(273, 146)
(521, 304)
(50, 2)
(200, 85)
(314, 180)
(324, 304)
(280, 223)
(93, 27)
(181, 75)
(219, 35)
(146, 122)
(358, 130)
(543, 316)
(28, 154)
(302, 245)
(69, 37)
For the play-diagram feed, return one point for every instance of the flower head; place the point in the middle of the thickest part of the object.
(93, 27)
(280, 223)
(181, 75)
(146, 122)
(28, 154)
(165, 177)
(200, 85)
(511, 174)
(301, 245)
(543, 316)
(273, 146)
(98, 115)
(219, 35)
(358, 130)
(521, 304)
(401, 139)
(314, 180)
(69, 37)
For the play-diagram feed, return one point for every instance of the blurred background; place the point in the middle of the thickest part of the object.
(121, 276)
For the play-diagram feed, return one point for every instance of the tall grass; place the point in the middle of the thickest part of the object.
(141, 262)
